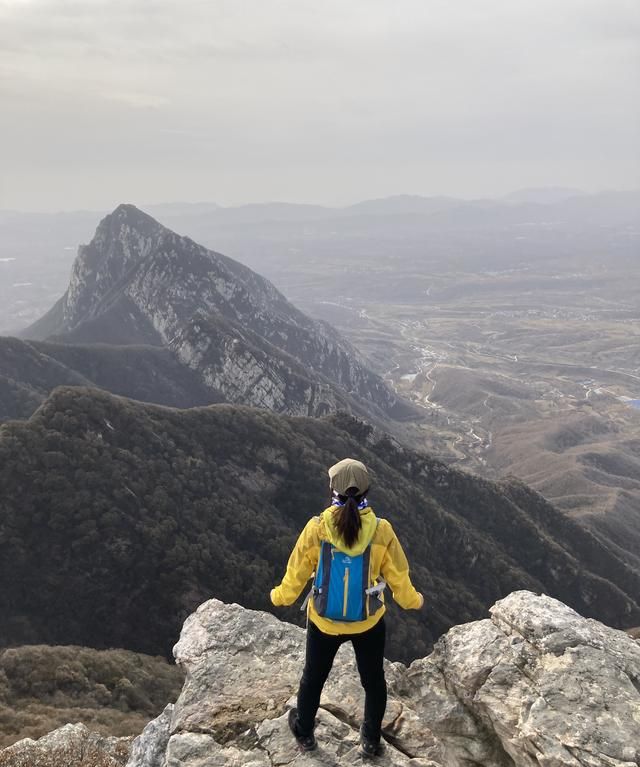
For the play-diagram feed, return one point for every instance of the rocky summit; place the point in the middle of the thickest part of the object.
(534, 685)
(139, 283)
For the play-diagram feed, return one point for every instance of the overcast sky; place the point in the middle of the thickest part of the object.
(333, 101)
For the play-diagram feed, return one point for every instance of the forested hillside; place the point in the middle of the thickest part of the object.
(114, 692)
(30, 370)
(117, 519)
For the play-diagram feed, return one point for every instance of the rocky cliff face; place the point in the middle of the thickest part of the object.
(534, 685)
(140, 283)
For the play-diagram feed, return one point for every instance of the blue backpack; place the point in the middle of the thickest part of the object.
(341, 588)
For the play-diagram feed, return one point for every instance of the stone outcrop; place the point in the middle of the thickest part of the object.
(150, 746)
(534, 685)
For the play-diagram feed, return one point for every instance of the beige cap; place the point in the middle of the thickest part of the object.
(349, 473)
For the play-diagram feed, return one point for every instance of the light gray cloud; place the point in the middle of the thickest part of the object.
(238, 100)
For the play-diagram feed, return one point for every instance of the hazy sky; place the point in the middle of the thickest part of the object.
(330, 101)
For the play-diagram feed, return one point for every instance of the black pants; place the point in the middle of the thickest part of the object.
(321, 651)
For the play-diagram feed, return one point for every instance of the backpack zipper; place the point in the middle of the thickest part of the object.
(346, 592)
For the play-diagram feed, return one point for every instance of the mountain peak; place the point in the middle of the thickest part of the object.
(128, 213)
(126, 209)
(138, 282)
(122, 240)
(129, 218)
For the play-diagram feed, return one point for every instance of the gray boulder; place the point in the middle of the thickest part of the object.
(149, 748)
(534, 684)
(243, 669)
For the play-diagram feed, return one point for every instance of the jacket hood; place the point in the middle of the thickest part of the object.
(365, 536)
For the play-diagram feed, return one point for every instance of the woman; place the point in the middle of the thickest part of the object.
(349, 550)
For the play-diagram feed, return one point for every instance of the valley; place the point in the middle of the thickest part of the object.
(518, 340)
(541, 387)
(513, 329)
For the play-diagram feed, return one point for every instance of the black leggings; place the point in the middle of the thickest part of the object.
(321, 650)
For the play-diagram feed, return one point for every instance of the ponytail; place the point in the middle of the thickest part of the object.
(347, 516)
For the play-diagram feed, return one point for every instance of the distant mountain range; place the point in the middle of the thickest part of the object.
(118, 518)
(36, 248)
(525, 205)
(545, 195)
(226, 333)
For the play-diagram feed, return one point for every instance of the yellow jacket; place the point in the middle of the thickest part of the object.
(387, 560)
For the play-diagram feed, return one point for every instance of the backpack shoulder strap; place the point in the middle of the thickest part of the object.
(381, 584)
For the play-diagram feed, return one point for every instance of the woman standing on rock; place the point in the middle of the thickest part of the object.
(352, 554)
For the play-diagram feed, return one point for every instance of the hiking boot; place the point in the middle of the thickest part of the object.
(369, 747)
(306, 742)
